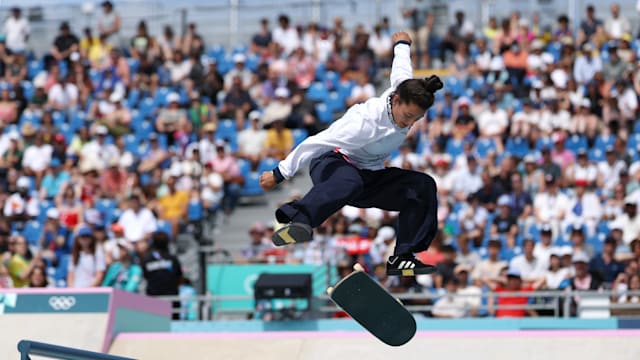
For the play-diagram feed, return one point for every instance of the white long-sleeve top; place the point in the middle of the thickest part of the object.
(366, 134)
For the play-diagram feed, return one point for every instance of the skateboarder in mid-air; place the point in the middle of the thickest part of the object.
(347, 168)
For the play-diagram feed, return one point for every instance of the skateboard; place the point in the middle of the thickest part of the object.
(373, 307)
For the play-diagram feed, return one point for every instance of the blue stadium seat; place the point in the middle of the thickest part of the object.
(29, 117)
(331, 80)
(165, 227)
(216, 52)
(454, 147)
(454, 86)
(576, 142)
(107, 208)
(325, 115)
(32, 232)
(240, 49)
(44, 206)
(245, 167)
(60, 276)
(133, 97)
(298, 136)
(143, 130)
(195, 211)
(58, 118)
(131, 143)
(134, 64)
(266, 164)
(77, 119)
(252, 62)
(483, 146)
(543, 142)
(517, 146)
(596, 155)
(227, 131)
(27, 89)
(603, 141)
(321, 69)
(35, 67)
(147, 108)
(160, 98)
(317, 92)
(252, 185)
(334, 102)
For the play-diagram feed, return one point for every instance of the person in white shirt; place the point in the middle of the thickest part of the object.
(549, 206)
(20, 206)
(543, 248)
(530, 267)
(17, 31)
(251, 140)
(587, 65)
(362, 91)
(582, 170)
(609, 170)
(583, 208)
(36, 158)
(616, 25)
(467, 180)
(407, 159)
(450, 305)
(493, 122)
(380, 44)
(522, 121)
(64, 94)
(239, 70)
(285, 36)
(348, 167)
(555, 273)
(98, 151)
(138, 223)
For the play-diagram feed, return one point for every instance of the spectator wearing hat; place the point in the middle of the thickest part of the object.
(512, 283)
(605, 264)
(17, 31)
(544, 247)
(505, 223)
(53, 181)
(108, 23)
(113, 180)
(124, 274)
(583, 279)
(20, 206)
(583, 207)
(173, 121)
(586, 65)
(87, 264)
(65, 43)
(255, 250)
(239, 70)
(471, 294)
(54, 239)
(97, 153)
(251, 141)
(118, 119)
(227, 166)
(489, 269)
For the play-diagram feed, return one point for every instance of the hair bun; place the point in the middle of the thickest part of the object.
(433, 83)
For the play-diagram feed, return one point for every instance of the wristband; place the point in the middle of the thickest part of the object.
(278, 175)
(402, 42)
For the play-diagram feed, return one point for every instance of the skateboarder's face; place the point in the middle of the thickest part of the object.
(406, 114)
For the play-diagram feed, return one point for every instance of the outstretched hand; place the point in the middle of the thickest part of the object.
(401, 36)
(267, 181)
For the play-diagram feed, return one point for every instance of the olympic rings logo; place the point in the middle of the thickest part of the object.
(62, 302)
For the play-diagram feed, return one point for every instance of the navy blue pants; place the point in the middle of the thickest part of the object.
(338, 183)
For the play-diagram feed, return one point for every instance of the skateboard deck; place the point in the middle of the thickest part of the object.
(374, 308)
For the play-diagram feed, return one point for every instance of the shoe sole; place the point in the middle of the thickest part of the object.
(292, 234)
(411, 272)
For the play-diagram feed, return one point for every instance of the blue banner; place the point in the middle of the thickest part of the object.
(53, 303)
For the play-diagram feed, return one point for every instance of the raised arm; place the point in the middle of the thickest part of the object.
(401, 68)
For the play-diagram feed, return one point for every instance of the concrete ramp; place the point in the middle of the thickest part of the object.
(454, 345)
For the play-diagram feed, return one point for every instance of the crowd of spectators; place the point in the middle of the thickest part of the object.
(112, 143)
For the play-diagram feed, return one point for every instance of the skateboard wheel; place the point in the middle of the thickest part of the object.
(358, 267)
(330, 290)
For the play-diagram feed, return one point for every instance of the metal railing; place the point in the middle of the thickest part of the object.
(28, 348)
(554, 303)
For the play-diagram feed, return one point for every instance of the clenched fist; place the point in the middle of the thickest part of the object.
(267, 181)
(401, 36)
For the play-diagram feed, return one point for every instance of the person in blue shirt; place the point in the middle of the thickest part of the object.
(53, 181)
(347, 167)
(123, 274)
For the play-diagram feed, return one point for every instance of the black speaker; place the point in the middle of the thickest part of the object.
(282, 286)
